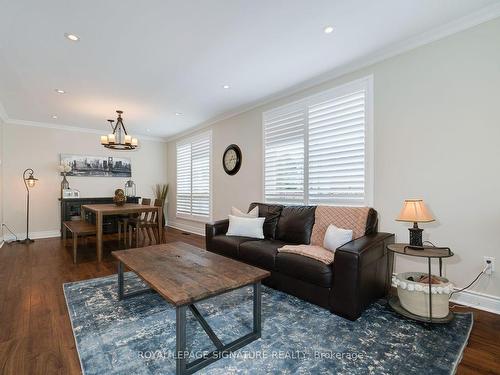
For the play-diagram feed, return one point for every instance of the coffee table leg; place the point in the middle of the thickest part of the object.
(121, 285)
(257, 320)
(120, 280)
(185, 367)
(180, 332)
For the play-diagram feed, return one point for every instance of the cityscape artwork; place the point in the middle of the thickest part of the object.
(97, 166)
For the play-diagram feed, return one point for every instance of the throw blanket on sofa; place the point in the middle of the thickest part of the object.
(314, 252)
(353, 218)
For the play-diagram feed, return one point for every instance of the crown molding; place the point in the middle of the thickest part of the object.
(48, 125)
(482, 15)
(476, 18)
(38, 124)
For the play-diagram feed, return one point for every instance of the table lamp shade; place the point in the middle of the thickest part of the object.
(415, 211)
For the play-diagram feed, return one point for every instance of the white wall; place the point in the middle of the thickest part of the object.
(39, 149)
(437, 132)
(237, 190)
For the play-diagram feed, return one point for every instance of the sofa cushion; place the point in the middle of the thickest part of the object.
(272, 214)
(260, 253)
(295, 224)
(310, 251)
(353, 218)
(306, 269)
(228, 245)
(251, 213)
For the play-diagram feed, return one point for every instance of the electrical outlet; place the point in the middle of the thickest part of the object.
(491, 265)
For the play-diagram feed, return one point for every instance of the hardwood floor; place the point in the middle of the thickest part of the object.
(35, 331)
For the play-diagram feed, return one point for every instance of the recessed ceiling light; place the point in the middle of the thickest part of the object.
(178, 113)
(328, 29)
(54, 117)
(148, 130)
(59, 91)
(72, 37)
(226, 86)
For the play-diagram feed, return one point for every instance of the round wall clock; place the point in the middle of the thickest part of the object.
(231, 159)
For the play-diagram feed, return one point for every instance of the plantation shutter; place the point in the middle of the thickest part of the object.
(193, 178)
(200, 156)
(184, 179)
(284, 135)
(337, 150)
(315, 149)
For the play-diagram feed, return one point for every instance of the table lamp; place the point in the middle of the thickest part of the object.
(29, 182)
(415, 211)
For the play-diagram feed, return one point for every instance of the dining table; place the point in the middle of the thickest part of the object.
(101, 210)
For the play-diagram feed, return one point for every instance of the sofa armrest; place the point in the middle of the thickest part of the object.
(367, 248)
(214, 229)
(360, 274)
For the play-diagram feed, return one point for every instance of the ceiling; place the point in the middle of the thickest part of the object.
(154, 58)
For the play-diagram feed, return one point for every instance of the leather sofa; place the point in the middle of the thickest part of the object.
(357, 277)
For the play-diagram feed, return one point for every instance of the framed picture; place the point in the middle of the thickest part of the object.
(97, 166)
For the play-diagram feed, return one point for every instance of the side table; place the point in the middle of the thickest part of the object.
(429, 253)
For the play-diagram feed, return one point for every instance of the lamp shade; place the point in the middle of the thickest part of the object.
(31, 181)
(414, 210)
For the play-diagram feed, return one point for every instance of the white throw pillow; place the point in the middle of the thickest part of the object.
(252, 213)
(246, 226)
(336, 237)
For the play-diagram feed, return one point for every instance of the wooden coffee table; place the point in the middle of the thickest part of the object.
(184, 274)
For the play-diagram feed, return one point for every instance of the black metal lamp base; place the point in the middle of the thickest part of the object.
(415, 235)
(26, 241)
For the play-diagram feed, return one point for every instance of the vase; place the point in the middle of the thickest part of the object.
(120, 199)
(64, 184)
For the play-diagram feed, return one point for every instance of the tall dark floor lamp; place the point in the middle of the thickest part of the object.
(29, 182)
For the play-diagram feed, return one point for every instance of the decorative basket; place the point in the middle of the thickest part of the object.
(414, 296)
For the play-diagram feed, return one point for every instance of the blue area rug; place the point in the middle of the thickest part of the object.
(137, 335)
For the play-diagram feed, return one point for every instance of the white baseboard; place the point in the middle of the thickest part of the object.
(186, 227)
(477, 300)
(34, 235)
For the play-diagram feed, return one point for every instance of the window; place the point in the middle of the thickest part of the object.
(193, 196)
(318, 150)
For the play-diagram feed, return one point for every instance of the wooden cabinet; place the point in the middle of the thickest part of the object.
(70, 210)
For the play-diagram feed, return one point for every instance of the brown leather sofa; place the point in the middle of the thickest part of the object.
(357, 277)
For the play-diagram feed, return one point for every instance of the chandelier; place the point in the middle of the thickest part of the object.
(119, 139)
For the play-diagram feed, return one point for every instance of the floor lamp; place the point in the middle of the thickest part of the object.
(29, 182)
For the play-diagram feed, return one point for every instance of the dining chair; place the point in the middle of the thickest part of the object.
(125, 222)
(149, 226)
(152, 225)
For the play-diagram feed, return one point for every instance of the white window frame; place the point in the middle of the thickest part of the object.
(198, 218)
(364, 83)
